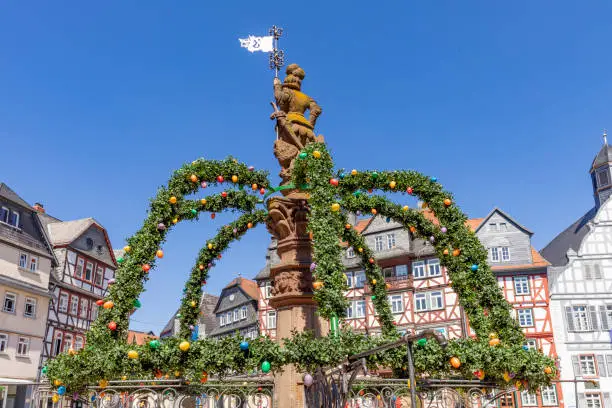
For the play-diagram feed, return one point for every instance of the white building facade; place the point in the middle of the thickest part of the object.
(580, 281)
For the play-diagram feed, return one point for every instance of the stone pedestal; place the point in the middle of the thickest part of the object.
(292, 293)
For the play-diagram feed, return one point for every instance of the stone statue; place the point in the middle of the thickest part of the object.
(294, 130)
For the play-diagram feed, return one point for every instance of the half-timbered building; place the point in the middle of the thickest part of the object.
(86, 264)
(236, 310)
(581, 295)
(266, 314)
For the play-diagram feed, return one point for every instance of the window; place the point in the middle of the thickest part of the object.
(442, 331)
(549, 395)
(74, 305)
(503, 226)
(84, 305)
(360, 279)
(387, 272)
(578, 318)
(79, 268)
(592, 400)
(603, 178)
(592, 272)
(360, 308)
(433, 267)
(606, 317)
(525, 317)
(236, 318)
(10, 301)
(401, 270)
(23, 346)
(57, 344)
(418, 269)
(222, 320)
(99, 276)
(30, 307)
(23, 261)
(67, 343)
(14, 220)
(396, 303)
(3, 342)
(4, 214)
(529, 400)
(243, 312)
(587, 365)
(493, 227)
(78, 344)
(228, 317)
(350, 252)
(63, 303)
(349, 279)
(494, 254)
(378, 243)
(505, 253)
(88, 271)
(33, 264)
(521, 285)
(531, 344)
(94, 311)
(390, 241)
(268, 290)
(420, 302)
(271, 320)
(436, 300)
(349, 311)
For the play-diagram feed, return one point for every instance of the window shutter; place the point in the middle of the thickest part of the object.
(576, 366)
(597, 273)
(569, 316)
(587, 272)
(609, 364)
(604, 318)
(581, 400)
(594, 325)
(601, 365)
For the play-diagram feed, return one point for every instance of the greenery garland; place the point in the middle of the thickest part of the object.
(497, 346)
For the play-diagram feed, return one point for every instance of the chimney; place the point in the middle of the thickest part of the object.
(39, 207)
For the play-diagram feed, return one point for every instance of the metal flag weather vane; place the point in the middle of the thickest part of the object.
(268, 44)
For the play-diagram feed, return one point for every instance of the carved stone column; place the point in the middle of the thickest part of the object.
(292, 292)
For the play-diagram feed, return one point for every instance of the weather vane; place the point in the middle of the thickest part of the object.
(267, 44)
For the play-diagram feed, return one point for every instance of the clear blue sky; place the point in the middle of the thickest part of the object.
(504, 102)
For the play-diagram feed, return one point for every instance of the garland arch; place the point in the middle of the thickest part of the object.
(496, 345)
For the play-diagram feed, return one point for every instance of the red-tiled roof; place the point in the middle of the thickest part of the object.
(250, 287)
(538, 261)
(362, 224)
(139, 337)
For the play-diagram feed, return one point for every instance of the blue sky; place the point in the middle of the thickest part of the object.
(504, 102)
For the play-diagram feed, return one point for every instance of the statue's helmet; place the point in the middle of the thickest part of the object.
(294, 77)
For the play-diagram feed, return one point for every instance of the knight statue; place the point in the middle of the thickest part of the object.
(294, 130)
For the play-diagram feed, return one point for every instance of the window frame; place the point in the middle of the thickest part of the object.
(418, 297)
(546, 393)
(17, 217)
(404, 267)
(419, 265)
(14, 297)
(378, 243)
(72, 310)
(393, 300)
(350, 311)
(597, 395)
(441, 297)
(236, 315)
(66, 304)
(33, 262)
(533, 399)
(531, 344)
(391, 240)
(67, 342)
(271, 319)
(360, 305)
(30, 301)
(518, 316)
(359, 283)
(91, 271)
(25, 263)
(349, 279)
(22, 342)
(5, 214)
(434, 262)
(80, 263)
(4, 340)
(593, 362)
(98, 268)
(350, 252)
(83, 302)
(243, 312)
(497, 257)
(79, 343)
(517, 280)
(577, 317)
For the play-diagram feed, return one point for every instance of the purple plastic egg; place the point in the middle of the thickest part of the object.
(203, 184)
(443, 230)
(161, 226)
(251, 168)
(111, 281)
(313, 266)
(432, 239)
(308, 380)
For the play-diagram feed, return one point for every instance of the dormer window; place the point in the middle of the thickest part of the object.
(500, 254)
(603, 178)
(493, 227)
(9, 217)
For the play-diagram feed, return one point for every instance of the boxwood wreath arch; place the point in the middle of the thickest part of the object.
(495, 353)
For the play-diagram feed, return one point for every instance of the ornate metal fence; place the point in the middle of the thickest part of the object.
(229, 393)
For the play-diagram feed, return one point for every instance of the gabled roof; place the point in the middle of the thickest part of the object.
(248, 286)
(570, 238)
(139, 337)
(9, 194)
(505, 215)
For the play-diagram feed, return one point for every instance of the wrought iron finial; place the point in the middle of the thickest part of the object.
(605, 136)
(277, 57)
